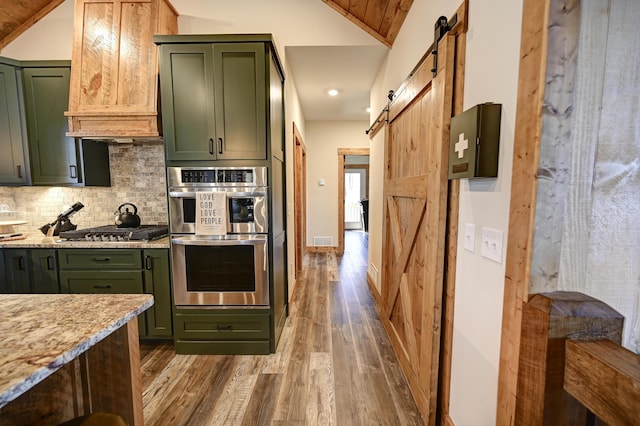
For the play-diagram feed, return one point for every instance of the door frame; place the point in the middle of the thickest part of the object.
(299, 199)
(342, 153)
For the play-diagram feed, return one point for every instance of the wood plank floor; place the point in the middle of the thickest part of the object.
(334, 364)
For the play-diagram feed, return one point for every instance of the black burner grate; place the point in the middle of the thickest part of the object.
(113, 233)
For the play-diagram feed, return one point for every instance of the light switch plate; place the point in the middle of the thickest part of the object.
(492, 244)
(470, 237)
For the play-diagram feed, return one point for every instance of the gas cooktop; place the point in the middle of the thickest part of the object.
(115, 234)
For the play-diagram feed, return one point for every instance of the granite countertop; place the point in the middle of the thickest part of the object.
(41, 333)
(39, 240)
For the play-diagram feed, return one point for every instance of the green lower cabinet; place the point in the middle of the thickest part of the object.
(157, 281)
(29, 271)
(17, 278)
(44, 271)
(228, 331)
(123, 271)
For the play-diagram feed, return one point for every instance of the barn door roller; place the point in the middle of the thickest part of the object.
(441, 27)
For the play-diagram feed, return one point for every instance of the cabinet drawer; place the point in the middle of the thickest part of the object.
(221, 326)
(100, 259)
(101, 282)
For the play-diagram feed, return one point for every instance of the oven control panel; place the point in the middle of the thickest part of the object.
(217, 176)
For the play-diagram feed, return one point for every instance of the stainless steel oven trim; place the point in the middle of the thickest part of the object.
(260, 209)
(257, 299)
(174, 177)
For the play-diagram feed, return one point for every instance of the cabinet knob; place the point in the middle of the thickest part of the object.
(19, 171)
(73, 171)
(147, 263)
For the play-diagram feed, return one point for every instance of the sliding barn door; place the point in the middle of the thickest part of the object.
(415, 221)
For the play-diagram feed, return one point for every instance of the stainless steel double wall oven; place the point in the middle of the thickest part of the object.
(229, 270)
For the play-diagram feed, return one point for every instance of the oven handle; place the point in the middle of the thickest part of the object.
(230, 194)
(177, 194)
(256, 240)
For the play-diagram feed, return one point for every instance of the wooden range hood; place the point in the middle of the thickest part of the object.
(114, 68)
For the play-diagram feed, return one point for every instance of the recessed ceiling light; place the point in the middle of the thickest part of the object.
(332, 92)
(368, 109)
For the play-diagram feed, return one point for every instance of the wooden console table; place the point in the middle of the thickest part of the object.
(68, 355)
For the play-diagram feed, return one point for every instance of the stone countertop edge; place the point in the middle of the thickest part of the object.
(37, 374)
(38, 240)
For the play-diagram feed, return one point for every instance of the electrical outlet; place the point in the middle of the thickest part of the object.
(492, 244)
(470, 237)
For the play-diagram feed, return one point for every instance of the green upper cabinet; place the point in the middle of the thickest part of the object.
(214, 100)
(34, 96)
(12, 160)
(46, 97)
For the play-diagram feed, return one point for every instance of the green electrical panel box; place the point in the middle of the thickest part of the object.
(474, 142)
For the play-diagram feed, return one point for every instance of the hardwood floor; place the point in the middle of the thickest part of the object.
(334, 364)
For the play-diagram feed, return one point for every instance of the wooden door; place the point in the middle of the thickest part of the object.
(415, 206)
(300, 198)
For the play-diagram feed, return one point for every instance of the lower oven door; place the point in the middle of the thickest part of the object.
(220, 272)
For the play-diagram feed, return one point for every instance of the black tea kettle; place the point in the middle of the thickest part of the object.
(127, 219)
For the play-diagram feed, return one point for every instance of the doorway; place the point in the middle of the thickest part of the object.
(300, 198)
(351, 161)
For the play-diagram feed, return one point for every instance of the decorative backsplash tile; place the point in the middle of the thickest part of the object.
(137, 177)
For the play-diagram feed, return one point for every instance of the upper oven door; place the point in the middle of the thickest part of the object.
(246, 210)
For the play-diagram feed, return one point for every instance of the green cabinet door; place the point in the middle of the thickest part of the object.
(157, 281)
(17, 276)
(240, 101)
(46, 98)
(186, 84)
(12, 160)
(213, 101)
(44, 271)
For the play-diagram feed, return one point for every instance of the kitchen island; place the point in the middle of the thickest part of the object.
(68, 355)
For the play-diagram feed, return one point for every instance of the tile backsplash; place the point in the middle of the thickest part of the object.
(137, 177)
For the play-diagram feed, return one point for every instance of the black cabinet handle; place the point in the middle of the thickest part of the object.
(21, 263)
(100, 259)
(211, 146)
(219, 145)
(102, 286)
(147, 263)
(20, 171)
(50, 265)
(224, 327)
(73, 171)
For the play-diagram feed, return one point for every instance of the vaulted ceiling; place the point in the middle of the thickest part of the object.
(380, 18)
(16, 16)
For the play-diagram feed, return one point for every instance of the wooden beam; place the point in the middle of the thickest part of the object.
(29, 22)
(605, 377)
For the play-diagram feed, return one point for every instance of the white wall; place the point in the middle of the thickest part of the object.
(491, 74)
(323, 138)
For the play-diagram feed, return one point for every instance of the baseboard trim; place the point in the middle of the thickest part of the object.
(374, 290)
